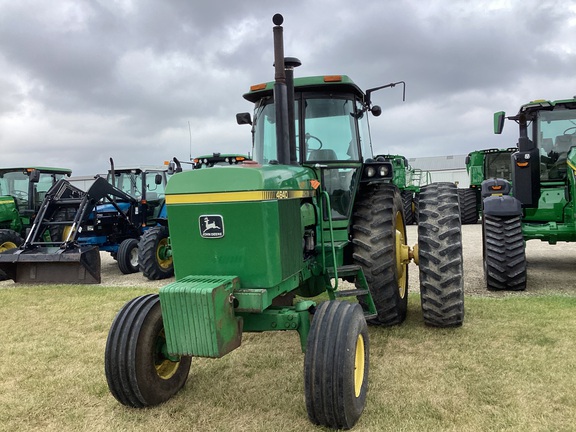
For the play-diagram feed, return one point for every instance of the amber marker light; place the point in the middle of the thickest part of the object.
(257, 87)
(333, 78)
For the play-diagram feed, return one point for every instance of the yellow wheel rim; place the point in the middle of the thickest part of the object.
(359, 366)
(165, 368)
(66, 232)
(163, 261)
(7, 246)
(402, 255)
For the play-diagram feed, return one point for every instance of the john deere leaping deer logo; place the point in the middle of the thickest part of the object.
(211, 226)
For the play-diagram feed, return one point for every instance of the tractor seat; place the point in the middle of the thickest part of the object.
(322, 155)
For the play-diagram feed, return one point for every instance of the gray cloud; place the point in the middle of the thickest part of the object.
(83, 81)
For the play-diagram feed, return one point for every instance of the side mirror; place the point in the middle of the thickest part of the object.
(243, 118)
(158, 179)
(499, 118)
(376, 110)
(34, 176)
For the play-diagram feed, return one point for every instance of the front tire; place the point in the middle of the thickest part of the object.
(9, 239)
(138, 370)
(440, 256)
(407, 203)
(128, 256)
(336, 365)
(504, 253)
(154, 259)
(378, 238)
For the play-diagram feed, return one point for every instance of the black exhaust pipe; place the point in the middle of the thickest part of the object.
(280, 94)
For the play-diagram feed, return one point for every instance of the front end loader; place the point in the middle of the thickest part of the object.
(253, 245)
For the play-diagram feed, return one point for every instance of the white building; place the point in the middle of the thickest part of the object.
(444, 168)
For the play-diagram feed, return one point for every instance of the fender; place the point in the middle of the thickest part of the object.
(502, 205)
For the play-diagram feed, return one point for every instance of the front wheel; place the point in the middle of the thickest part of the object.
(128, 256)
(9, 239)
(336, 365)
(154, 254)
(138, 368)
(440, 256)
(504, 253)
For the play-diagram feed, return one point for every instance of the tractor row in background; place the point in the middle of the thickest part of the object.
(123, 214)
(254, 244)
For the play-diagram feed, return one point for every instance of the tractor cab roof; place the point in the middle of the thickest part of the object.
(544, 105)
(323, 83)
(49, 170)
(141, 169)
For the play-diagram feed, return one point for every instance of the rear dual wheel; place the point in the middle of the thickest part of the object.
(379, 247)
(139, 371)
(440, 256)
(336, 365)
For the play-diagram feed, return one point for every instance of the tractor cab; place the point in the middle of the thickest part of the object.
(331, 135)
(547, 134)
(22, 190)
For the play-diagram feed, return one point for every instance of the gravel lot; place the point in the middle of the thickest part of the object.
(550, 267)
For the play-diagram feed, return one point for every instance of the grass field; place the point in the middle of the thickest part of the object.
(510, 367)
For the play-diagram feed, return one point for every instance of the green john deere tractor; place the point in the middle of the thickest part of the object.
(409, 180)
(539, 203)
(253, 243)
(22, 190)
(482, 165)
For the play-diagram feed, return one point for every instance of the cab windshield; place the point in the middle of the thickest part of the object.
(335, 129)
(556, 134)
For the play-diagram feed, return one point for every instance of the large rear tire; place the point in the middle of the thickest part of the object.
(153, 254)
(336, 365)
(440, 256)
(504, 253)
(379, 238)
(468, 206)
(138, 370)
(128, 256)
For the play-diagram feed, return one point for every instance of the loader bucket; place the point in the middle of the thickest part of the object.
(79, 265)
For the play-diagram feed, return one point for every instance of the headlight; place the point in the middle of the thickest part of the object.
(370, 171)
(382, 170)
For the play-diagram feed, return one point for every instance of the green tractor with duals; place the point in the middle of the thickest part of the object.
(254, 244)
(539, 202)
(22, 190)
(482, 165)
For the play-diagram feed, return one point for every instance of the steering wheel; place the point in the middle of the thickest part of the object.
(572, 128)
(308, 137)
(21, 195)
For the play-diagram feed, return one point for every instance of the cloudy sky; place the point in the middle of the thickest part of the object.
(85, 80)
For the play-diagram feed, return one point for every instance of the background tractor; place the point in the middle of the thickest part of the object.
(482, 165)
(409, 180)
(22, 190)
(539, 202)
(254, 243)
(124, 215)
